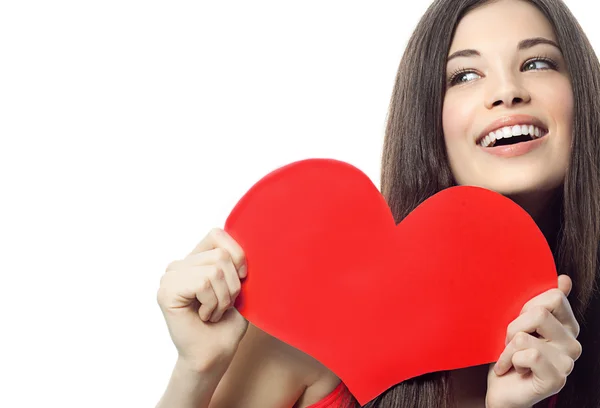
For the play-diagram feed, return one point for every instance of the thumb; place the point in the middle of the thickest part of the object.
(565, 284)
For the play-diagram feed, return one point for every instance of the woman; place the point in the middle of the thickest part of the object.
(474, 77)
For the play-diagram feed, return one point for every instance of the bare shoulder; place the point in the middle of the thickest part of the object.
(266, 372)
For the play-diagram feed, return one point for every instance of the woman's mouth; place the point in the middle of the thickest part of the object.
(510, 135)
(511, 141)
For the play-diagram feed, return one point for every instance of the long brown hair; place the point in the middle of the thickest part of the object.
(415, 166)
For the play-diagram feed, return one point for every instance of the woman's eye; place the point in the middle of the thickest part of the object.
(534, 63)
(463, 77)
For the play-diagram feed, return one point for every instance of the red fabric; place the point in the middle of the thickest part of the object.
(338, 398)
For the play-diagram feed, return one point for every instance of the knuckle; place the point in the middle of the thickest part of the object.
(556, 298)
(576, 350)
(218, 272)
(541, 313)
(534, 355)
(222, 254)
(576, 329)
(166, 282)
(560, 382)
(226, 303)
(521, 340)
(204, 284)
(569, 365)
(235, 292)
(171, 266)
(215, 232)
(510, 330)
(161, 295)
(240, 258)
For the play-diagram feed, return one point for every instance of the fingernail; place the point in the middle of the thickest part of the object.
(243, 271)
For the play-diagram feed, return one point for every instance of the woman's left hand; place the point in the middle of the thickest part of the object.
(531, 368)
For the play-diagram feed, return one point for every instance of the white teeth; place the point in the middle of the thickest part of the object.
(510, 131)
(516, 130)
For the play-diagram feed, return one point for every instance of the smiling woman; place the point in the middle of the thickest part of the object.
(498, 94)
(503, 95)
(514, 129)
(497, 88)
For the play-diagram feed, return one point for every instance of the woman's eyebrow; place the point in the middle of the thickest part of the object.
(524, 44)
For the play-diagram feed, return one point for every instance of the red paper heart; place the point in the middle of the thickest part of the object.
(331, 274)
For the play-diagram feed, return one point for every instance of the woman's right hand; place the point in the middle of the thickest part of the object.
(196, 297)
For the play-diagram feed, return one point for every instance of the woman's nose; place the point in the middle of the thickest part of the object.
(507, 92)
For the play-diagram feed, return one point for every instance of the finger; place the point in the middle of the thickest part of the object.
(180, 289)
(208, 300)
(524, 341)
(220, 266)
(221, 259)
(209, 257)
(549, 380)
(520, 342)
(221, 291)
(565, 284)
(539, 320)
(217, 238)
(557, 303)
(232, 279)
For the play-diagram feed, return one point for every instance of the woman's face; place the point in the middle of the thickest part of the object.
(511, 89)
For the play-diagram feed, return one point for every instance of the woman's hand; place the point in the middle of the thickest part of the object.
(197, 295)
(534, 367)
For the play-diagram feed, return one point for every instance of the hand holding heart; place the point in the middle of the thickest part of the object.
(330, 273)
(196, 295)
(531, 368)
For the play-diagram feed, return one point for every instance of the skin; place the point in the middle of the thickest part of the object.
(500, 82)
(226, 362)
(223, 361)
(504, 81)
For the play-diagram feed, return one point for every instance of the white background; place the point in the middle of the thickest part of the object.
(128, 129)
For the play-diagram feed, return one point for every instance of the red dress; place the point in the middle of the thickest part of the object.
(340, 397)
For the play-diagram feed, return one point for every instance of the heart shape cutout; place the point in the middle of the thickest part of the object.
(331, 274)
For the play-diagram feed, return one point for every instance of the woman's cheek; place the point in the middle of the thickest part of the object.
(457, 116)
(455, 124)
